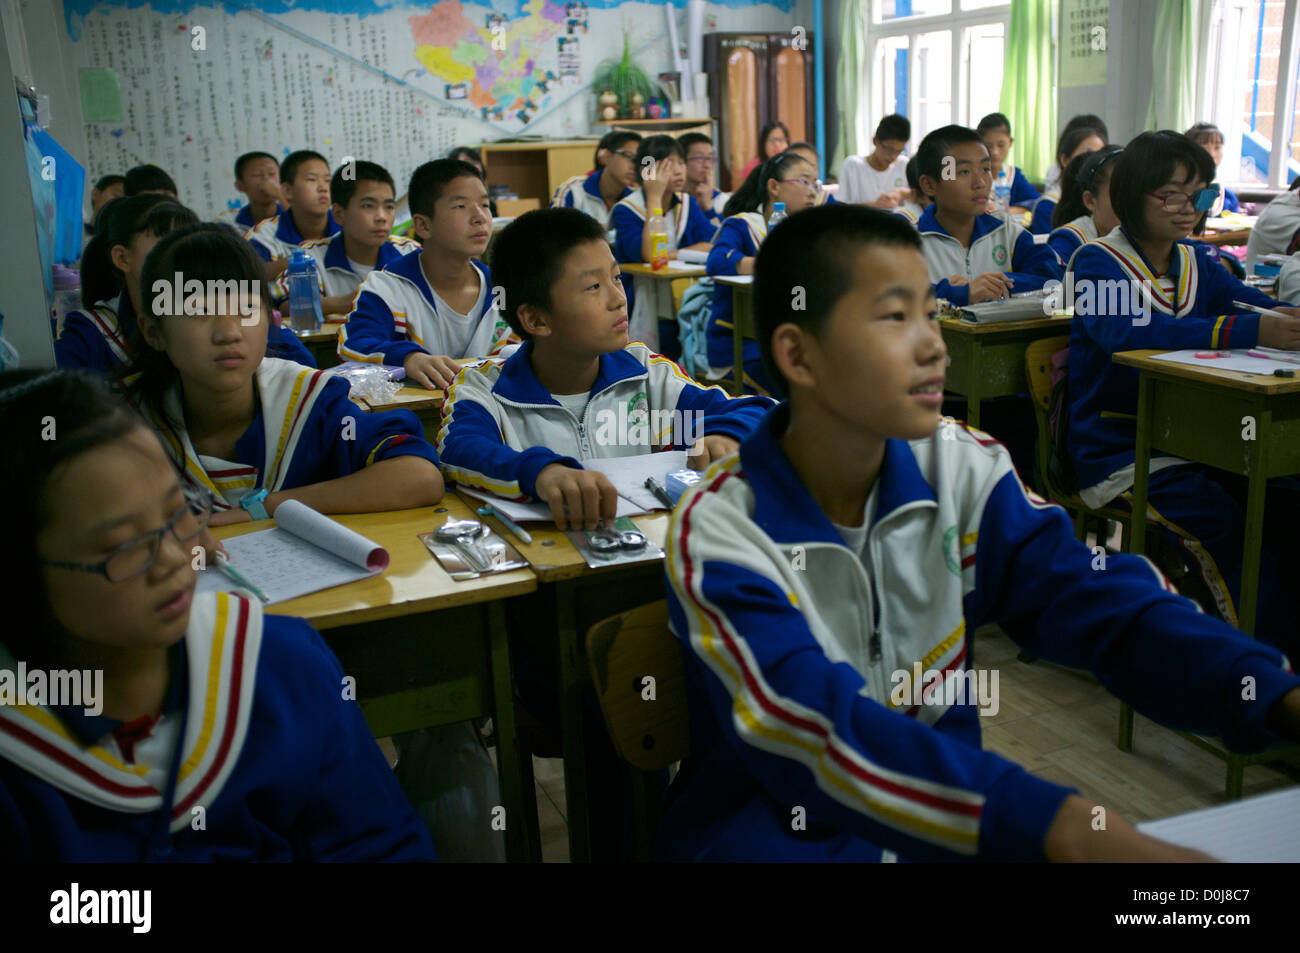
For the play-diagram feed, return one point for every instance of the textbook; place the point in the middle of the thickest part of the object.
(306, 552)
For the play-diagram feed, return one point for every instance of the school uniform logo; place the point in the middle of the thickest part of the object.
(1000, 255)
(951, 551)
(638, 411)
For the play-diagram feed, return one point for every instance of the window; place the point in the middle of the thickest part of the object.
(936, 61)
(1250, 90)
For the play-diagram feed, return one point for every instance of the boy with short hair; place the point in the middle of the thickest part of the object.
(995, 130)
(879, 179)
(701, 161)
(576, 389)
(848, 552)
(973, 256)
(364, 202)
(430, 308)
(614, 178)
(305, 191)
(107, 188)
(257, 175)
(148, 178)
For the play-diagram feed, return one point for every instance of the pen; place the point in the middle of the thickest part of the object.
(1285, 358)
(487, 509)
(1258, 310)
(238, 578)
(660, 493)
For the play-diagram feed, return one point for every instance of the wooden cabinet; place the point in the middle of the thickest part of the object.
(755, 78)
(534, 170)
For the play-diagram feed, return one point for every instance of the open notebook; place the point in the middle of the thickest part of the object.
(306, 552)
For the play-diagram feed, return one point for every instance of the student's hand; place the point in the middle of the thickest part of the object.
(957, 280)
(1076, 836)
(336, 304)
(587, 494)
(656, 189)
(990, 286)
(209, 543)
(434, 371)
(885, 200)
(236, 514)
(1280, 332)
(707, 449)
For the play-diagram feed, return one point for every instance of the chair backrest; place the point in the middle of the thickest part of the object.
(637, 668)
(1038, 372)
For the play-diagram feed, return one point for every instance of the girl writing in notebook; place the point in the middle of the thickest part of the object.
(253, 430)
(209, 730)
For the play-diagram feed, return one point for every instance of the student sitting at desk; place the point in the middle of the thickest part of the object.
(305, 191)
(973, 256)
(701, 162)
(598, 192)
(257, 175)
(995, 132)
(826, 582)
(252, 431)
(1277, 230)
(879, 178)
(1172, 296)
(1073, 142)
(577, 389)
(363, 197)
(437, 305)
(100, 553)
(1084, 212)
(787, 178)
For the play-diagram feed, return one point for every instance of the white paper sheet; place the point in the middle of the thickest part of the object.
(1239, 361)
(1255, 830)
(687, 258)
(628, 474)
(735, 279)
(537, 512)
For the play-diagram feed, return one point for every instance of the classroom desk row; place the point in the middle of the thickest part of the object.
(426, 650)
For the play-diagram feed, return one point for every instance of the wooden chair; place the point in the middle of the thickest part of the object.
(640, 680)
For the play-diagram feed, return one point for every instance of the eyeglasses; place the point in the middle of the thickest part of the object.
(1202, 199)
(136, 556)
(710, 157)
(630, 156)
(806, 183)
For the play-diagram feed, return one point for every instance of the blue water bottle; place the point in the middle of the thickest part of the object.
(304, 293)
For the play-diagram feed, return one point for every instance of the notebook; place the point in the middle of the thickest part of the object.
(1256, 830)
(306, 552)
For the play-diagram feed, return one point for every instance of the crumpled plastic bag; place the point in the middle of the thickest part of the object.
(371, 382)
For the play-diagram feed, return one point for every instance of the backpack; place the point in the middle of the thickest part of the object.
(1060, 471)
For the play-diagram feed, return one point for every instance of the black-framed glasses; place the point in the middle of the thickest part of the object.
(630, 156)
(136, 556)
(709, 157)
(1202, 199)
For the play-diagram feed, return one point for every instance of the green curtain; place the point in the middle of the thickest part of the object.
(1029, 87)
(1177, 62)
(853, 137)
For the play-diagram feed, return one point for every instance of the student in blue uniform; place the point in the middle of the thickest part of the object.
(257, 175)
(256, 431)
(1210, 138)
(305, 192)
(1161, 291)
(614, 178)
(1084, 212)
(101, 549)
(973, 256)
(995, 130)
(661, 174)
(701, 169)
(809, 152)
(788, 178)
(1075, 141)
(825, 584)
(435, 306)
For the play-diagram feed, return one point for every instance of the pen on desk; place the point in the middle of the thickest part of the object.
(487, 509)
(1285, 358)
(1258, 310)
(660, 493)
(238, 578)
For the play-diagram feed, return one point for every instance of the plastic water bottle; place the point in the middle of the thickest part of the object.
(1002, 192)
(658, 226)
(778, 215)
(304, 293)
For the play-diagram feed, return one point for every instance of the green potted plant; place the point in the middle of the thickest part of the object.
(626, 80)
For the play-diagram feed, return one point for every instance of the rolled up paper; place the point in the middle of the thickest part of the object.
(317, 528)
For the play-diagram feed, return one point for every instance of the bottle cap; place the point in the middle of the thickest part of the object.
(778, 206)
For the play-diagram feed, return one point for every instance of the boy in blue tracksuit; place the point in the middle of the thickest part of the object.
(824, 583)
(1144, 286)
(995, 131)
(973, 256)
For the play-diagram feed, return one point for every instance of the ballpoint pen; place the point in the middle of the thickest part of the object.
(1258, 310)
(238, 578)
(660, 493)
(487, 509)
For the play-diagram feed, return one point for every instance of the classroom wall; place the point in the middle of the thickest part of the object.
(351, 78)
(1124, 99)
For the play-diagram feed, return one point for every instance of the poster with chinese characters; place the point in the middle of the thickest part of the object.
(1084, 28)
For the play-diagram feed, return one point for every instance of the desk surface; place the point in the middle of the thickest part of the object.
(1060, 319)
(328, 331)
(1235, 380)
(642, 270)
(553, 555)
(414, 582)
(411, 397)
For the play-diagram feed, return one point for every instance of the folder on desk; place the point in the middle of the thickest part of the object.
(1014, 308)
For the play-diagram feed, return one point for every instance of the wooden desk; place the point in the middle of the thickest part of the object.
(324, 343)
(1198, 414)
(425, 404)
(742, 324)
(426, 650)
(578, 596)
(988, 360)
(656, 289)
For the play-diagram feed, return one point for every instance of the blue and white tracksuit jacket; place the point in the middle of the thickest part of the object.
(1065, 241)
(739, 237)
(501, 427)
(996, 244)
(799, 660)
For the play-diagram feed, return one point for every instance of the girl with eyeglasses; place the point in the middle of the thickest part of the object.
(789, 178)
(1145, 285)
(219, 733)
(1084, 212)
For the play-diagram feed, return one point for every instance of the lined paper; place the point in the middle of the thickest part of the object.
(1257, 830)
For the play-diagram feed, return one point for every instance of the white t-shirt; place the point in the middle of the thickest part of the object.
(573, 403)
(460, 327)
(859, 182)
(360, 269)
